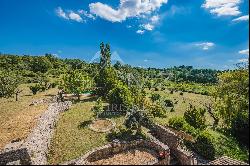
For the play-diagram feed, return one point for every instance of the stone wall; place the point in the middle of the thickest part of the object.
(118, 147)
(170, 138)
(34, 149)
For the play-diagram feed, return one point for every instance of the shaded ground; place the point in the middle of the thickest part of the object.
(17, 118)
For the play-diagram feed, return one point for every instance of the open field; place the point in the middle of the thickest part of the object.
(17, 118)
(181, 103)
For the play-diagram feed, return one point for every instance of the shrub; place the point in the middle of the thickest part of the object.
(181, 93)
(179, 123)
(171, 92)
(154, 97)
(35, 88)
(168, 103)
(157, 110)
(98, 108)
(196, 117)
(163, 88)
(120, 95)
(204, 145)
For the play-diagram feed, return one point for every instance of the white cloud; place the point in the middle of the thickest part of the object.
(86, 14)
(140, 31)
(68, 15)
(242, 18)
(61, 13)
(205, 45)
(75, 17)
(148, 27)
(223, 7)
(245, 52)
(155, 19)
(126, 9)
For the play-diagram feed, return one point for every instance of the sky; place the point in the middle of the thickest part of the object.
(145, 33)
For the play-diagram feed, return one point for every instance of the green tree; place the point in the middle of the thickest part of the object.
(98, 108)
(120, 95)
(9, 82)
(232, 102)
(76, 82)
(196, 117)
(232, 95)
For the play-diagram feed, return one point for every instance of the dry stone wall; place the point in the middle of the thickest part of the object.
(118, 147)
(34, 149)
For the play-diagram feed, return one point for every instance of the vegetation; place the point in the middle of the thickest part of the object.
(196, 117)
(211, 105)
(204, 145)
(76, 82)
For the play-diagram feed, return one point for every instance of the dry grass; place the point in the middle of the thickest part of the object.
(17, 118)
(181, 103)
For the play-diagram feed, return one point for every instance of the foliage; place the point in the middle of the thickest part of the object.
(232, 95)
(124, 134)
(155, 96)
(196, 117)
(232, 102)
(189, 74)
(179, 123)
(120, 95)
(35, 88)
(204, 145)
(9, 82)
(98, 108)
(168, 103)
(157, 110)
(76, 82)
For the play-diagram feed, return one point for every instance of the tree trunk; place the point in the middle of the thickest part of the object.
(16, 96)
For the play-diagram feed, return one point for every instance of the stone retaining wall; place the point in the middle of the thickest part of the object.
(170, 138)
(35, 147)
(118, 147)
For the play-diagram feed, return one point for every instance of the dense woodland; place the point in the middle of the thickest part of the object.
(125, 85)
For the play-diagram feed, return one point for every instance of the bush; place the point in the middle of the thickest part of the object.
(98, 108)
(240, 128)
(179, 123)
(168, 103)
(35, 88)
(120, 95)
(157, 110)
(163, 88)
(154, 97)
(172, 110)
(204, 145)
(171, 92)
(196, 117)
(181, 93)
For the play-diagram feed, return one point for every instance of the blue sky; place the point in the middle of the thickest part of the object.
(149, 33)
